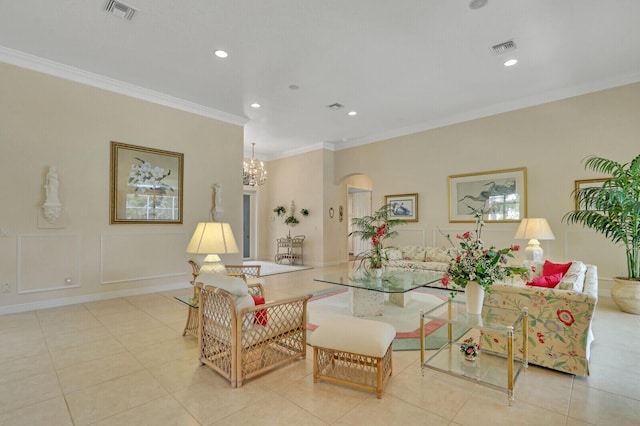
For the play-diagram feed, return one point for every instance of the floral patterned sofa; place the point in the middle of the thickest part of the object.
(560, 318)
(417, 257)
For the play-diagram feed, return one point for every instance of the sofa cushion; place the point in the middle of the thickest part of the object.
(573, 279)
(261, 316)
(550, 268)
(549, 281)
(393, 253)
(415, 253)
(437, 254)
(235, 286)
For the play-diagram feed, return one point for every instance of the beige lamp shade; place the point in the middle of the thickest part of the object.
(212, 238)
(534, 229)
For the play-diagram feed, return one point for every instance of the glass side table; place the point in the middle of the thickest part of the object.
(490, 369)
(191, 327)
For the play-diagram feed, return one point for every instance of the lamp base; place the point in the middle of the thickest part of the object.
(534, 252)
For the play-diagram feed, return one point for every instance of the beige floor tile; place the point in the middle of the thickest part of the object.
(411, 386)
(389, 411)
(21, 368)
(209, 404)
(165, 411)
(86, 352)
(603, 408)
(178, 348)
(61, 341)
(129, 322)
(325, 400)
(19, 322)
(282, 377)
(13, 347)
(488, 407)
(96, 371)
(147, 337)
(52, 412)
(110, 307)
(67, 322)
(27, 391)
(113, 397)
(622, 381)
(544, 388)
(273, 411)
(180, 374)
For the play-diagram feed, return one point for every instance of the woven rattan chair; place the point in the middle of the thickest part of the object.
(236, 346)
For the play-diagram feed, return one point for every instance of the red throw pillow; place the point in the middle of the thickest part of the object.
(261, 315)
(550, 268)
(549, 281)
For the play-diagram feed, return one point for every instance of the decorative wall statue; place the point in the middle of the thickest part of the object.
(217, 211)
(52, 206)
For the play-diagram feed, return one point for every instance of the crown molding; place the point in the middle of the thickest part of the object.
(45, 66)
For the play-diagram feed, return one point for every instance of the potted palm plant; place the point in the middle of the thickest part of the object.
(613, 210)
(376, 229)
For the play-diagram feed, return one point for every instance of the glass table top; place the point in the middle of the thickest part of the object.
(390, 282)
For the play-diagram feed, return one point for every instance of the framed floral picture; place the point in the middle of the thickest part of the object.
(146, 185)
(501, 194)
(403, 206)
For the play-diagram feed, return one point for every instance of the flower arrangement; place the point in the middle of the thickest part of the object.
(291, 220)
(375, 229)
(470, 349)
(145, 177)
(304, 212)
(280, 210)
(473, 262)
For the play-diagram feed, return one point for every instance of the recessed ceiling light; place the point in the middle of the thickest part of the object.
(221, 53)
(352, 113)
(293, 87)
(255, 105)
(477, 4)
(510, 62)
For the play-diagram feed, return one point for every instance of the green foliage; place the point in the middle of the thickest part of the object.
(613, 209)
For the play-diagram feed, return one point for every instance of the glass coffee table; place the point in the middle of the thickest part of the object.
(491, 369)
(367, 292)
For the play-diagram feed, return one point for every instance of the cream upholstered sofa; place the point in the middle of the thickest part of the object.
(560, 319)
(240, 339)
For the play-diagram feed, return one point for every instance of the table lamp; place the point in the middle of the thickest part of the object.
(212, 238)
(534, 229)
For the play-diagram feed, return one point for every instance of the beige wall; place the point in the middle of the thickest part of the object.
(47, 121)
(549, 140)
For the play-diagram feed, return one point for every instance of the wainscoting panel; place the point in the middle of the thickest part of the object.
(408, 237)
(48, 262)
(139, 256)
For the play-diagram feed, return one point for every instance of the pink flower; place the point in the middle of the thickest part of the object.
(445, 280)
(466, 235)
(515, 247)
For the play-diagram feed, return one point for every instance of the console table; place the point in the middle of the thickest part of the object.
(290, 249)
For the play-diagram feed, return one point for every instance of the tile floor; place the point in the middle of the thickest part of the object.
(124, 362)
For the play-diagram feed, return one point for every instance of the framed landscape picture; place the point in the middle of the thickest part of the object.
(500, 194)
(403, 206)
(586, 183)
(146, 185)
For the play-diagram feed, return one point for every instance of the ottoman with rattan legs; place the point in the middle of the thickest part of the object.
(354, 352)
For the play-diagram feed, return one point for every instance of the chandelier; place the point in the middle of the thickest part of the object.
(253, 172)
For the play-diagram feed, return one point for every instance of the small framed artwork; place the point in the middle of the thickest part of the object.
(500, 194)
(582, 184)
(146, 185)
(403, 206)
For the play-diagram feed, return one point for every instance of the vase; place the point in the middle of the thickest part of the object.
(475, 297)
(470, 358)
(377, 272)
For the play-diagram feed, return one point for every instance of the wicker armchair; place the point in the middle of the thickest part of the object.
(238, 347)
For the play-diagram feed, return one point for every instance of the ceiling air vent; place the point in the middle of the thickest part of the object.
(120, 9)
(501, 48)
(335, 106)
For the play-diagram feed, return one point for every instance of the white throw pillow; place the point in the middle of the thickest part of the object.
(234, 285)
(573, 280)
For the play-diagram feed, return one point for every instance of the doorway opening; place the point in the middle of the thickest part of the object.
(249, 226)
(358, 205)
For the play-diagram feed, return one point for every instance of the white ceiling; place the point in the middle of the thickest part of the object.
(403, 65)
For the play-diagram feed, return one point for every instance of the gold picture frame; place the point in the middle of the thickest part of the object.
(585, 183)
(146, 185)
(502, 194)
(403, 206)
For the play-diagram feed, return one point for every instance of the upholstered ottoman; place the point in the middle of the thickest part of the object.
(354, 352)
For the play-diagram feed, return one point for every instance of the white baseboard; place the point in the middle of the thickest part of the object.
(54, 303)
